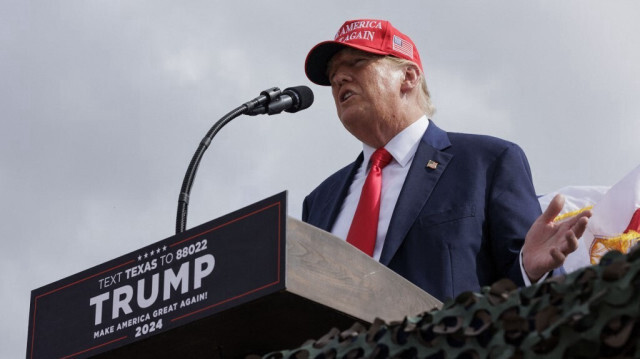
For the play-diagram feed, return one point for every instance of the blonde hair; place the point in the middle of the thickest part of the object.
(425, 98)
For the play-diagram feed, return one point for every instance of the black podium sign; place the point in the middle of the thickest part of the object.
(181, 279)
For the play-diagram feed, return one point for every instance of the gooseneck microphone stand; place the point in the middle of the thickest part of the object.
(265, 97)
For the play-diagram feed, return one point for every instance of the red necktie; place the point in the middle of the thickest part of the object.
(364, 226)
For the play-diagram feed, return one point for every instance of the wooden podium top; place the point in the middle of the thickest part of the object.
(329, 271)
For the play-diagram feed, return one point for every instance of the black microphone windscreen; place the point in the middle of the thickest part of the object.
(303, 97)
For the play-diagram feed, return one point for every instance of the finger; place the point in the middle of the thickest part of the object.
(558, 257)
(571, 243)
(553, 209)
(580, 226)
(586, 213)
(578, 223)
(573, 220)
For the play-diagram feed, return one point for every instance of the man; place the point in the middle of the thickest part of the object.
(447, 211)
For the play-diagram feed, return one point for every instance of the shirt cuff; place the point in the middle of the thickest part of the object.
(525, 277)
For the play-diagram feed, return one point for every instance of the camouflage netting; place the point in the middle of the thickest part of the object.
(591, 313)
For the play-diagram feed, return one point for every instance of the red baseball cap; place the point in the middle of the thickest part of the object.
(369, 35)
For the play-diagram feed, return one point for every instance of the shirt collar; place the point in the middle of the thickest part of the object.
(403, 145)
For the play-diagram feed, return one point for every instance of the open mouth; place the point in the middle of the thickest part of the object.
(345, 96)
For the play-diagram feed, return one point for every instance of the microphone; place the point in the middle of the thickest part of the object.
(270, 101)
(292, 99)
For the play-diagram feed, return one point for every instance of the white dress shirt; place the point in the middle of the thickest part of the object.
(402, 147)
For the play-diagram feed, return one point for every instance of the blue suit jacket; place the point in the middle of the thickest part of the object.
(457, 227)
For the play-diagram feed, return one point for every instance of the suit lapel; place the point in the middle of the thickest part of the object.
(338, 192)
(417, 188)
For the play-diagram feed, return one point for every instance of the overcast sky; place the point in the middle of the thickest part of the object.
(104, 102)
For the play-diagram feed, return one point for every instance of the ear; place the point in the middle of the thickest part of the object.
(411, 78)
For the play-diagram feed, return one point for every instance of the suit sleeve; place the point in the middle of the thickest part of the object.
(513, 207)
(305, 209)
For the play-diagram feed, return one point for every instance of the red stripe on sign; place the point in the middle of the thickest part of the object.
(225, 224)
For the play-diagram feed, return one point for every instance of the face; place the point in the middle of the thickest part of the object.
(366, 89)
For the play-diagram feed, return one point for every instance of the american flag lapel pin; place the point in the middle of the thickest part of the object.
(432, 164)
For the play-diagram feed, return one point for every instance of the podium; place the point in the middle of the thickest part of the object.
(250, 282)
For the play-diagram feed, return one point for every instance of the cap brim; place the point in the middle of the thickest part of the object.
(316, 64)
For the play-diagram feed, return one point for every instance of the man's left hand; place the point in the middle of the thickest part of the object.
(548, 243)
